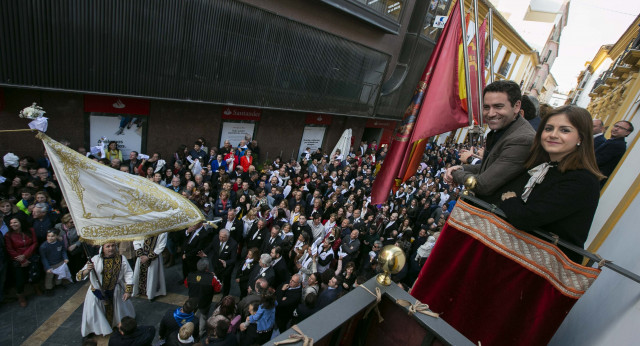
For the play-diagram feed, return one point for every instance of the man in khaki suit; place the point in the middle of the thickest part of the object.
(507, 145)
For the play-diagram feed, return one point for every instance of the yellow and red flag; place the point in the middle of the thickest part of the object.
(436, 107)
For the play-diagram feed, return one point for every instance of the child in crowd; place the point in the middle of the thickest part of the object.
(53, 255)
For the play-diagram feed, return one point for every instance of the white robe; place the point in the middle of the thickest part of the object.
(93, 312)
(156, 285)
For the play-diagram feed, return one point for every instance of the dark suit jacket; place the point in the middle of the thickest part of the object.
(597, 141)
(287, 300)
(198, 243)
(259, 238)
(268, 275)
(609, 154)
(327, 297)
(281, 272)
(229, 254)
(235, 230)
(267, 245)
(502, 164)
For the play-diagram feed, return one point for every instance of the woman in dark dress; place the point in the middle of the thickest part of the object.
(242, 276)
(562, 192)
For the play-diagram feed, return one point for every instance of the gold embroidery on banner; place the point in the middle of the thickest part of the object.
(71, 162)
(529, 251)
(138, 198)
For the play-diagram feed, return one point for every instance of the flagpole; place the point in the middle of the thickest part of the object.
(465, 50)
(479, 73)
(490, 15)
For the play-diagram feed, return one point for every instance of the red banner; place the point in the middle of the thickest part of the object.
(115, 104)
(442, 114)
(497, 285)
(241, 113)
(318, 119)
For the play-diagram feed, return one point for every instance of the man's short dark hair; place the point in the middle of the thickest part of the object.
(133, 151)
(511, 88)
(128, 325)
(221, 328)
(190, 305)
(628, 123)
(529, 108)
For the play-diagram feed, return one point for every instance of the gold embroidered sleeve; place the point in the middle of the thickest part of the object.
(79, 276)
(128, 289)
(152, 255)
(139, 252)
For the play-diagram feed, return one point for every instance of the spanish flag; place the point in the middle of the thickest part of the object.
(436, 107)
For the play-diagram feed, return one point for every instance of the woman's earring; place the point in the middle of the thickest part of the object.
(578, 144)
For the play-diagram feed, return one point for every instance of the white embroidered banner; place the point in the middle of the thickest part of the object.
(109, 205)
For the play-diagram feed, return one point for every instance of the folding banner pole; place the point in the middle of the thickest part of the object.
(465, 50)
(479, 73)
(490, 15)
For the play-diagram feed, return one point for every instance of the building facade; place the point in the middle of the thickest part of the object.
(285, 73)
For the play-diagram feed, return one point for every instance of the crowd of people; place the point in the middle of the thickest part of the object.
(294, 235)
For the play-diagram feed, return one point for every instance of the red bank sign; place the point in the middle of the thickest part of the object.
(115, 104)
(240, 113)
(318, 119)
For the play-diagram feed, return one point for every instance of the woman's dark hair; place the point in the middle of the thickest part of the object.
(227, 306)
(305, 237)
(268, 300)
(255, 253)
(583, 157)
(23, 225)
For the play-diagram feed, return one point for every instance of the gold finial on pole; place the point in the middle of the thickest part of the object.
(470, 185)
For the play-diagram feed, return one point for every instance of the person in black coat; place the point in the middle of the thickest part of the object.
(611, 151)
(194, 242)
(279, 267)
(562, 195)
(327, 296)
(202, 285)
(234, 226)
(263, 270)
(301, 226)
(306, 308)
(245, 269)
(257, 234)
(272, 241)
(223, 253)
(174, 319)
(288, 298)
(129, 334)
(182, 337)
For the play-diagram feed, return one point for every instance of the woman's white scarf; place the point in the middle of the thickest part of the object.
(247, 262)
(537, 174)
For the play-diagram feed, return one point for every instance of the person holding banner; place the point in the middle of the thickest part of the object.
(562, 191)
(107, 300)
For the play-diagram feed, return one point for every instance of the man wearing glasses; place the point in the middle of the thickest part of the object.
(611, 151)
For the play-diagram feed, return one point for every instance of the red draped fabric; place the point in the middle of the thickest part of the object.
(498, 285)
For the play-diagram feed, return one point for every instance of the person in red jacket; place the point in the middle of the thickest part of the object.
(21, 243)
(246, 160)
